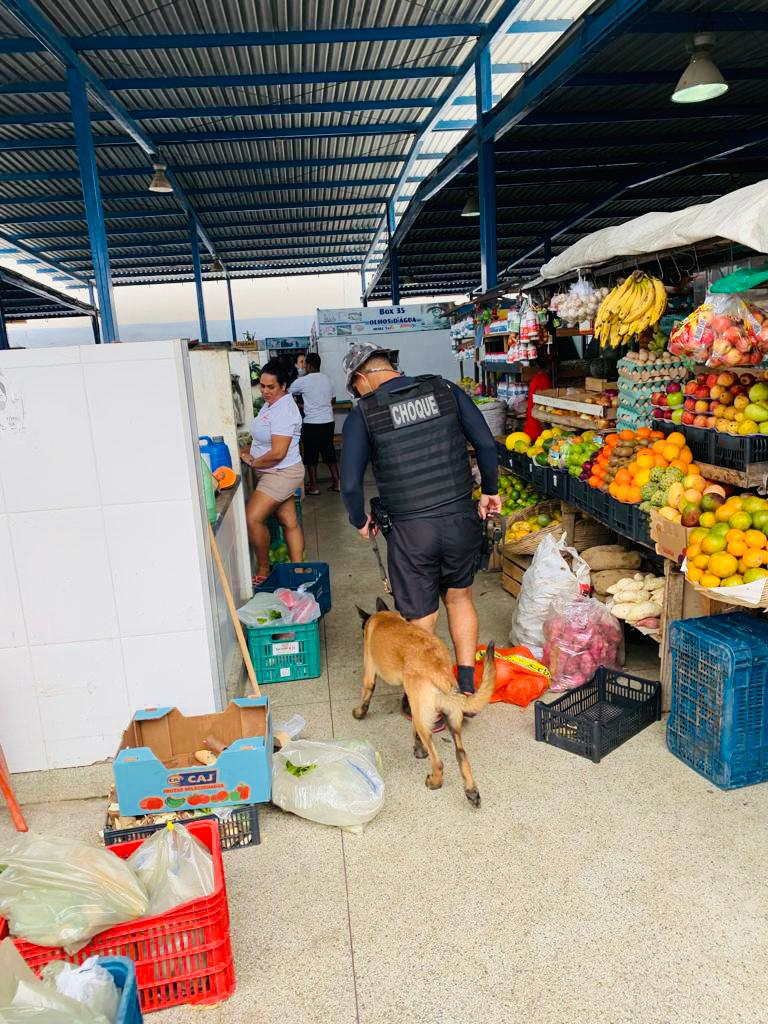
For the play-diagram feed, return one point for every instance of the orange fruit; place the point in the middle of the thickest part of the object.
(755, 539)
(660, 462)
(632, 469)
(724, 512)
(709, 580)
(594, 481)
(736, 548)
(629, 435)
(685, 455)
(644, 432)
(692, 551)
(694, 574)
(657, 435)
(634, 496)
(707, 519)
(679, 464)
(670, 451)
(735, 502)
(613, 490)
(694, 470)
(712, 544)
(659, 446)
(612, 439)
(645, 460)
(623, 477)
(677, 439)
(734, 535)
(622, 492)
(722, 565)
(701, 561)
(642, 477)
(764, 553)
(752, 559)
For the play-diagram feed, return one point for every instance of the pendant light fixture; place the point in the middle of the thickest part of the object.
(217, 267)
(472, 206)
(160, 181)
(702, 79)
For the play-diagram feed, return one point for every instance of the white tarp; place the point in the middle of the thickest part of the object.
(741, 216)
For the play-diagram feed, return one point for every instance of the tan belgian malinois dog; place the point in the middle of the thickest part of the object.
(405, 655)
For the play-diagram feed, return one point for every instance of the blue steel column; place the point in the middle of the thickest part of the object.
(94, 212)
(394, 269)
(232, 320)
(4, 343)
(363, 296)
(198, 280)
(486, 174)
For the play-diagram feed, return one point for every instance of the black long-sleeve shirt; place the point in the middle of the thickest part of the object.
(356, 452)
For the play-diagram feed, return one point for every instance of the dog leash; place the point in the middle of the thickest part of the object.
(382, 570)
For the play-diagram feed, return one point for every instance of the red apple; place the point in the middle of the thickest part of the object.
(737, 389)
(700, 421)
(703, 378)
(662, 400)
(710, 421)
(688, 418)
(701, 407)
(689, 404)
(755, 357)
(673, 387)
(690, 387)
(655, 396)
(726, 379)
(667, 414)
(734, 358)
(702, 392)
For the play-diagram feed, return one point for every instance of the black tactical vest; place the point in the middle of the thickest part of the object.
(419, 452)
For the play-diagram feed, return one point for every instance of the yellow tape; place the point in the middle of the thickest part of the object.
(518, 659)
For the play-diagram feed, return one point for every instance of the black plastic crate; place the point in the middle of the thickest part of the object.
(642, 527)
(519, 464)
(621, 517)
(699, 440)
(539, 477)
(665, 426)
(577, 492)
(240, 828)
(594, 719)
(559, 484)
(503, 454)
(737, 453)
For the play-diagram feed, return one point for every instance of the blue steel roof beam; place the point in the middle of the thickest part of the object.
(244, 135)
(115, 232)
(290, 186)
(41, 27)
(500, 22)
(244, 165)
(248, 256)
(579, 44)
(330, 238)
(206, 40)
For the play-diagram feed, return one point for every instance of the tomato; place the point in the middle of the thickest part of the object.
(152, 803)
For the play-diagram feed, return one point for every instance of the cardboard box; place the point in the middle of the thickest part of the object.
(671, 539)
(155, 767)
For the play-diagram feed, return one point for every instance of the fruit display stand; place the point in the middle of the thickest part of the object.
(574, 407)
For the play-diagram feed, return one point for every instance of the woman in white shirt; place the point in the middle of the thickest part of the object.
(317, 432)
(275, 456)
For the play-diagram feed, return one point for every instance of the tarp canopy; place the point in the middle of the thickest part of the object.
(740, 216)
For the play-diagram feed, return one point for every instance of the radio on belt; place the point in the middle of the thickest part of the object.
(414, 410)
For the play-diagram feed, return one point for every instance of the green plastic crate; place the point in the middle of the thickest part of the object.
(285, 653)
(276, 535)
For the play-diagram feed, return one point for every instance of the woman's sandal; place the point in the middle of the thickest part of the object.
(314, 494)
(258, 581)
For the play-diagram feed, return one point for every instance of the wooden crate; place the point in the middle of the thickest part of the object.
(599, 384)
(582, 531)
(512, 571)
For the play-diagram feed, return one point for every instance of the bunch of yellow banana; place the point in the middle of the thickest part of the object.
(630, 308)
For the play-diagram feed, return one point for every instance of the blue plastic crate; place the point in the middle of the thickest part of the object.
(124, 976)
(282, 654)
(718, 721)
(539, 477)
(621, 517)
(314, 576)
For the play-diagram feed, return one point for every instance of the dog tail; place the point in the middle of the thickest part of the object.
(471, 703)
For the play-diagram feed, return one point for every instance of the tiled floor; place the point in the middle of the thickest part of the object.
(630, 892)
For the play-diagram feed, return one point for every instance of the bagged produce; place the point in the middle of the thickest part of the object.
(580, 636)
(520, 678)
(302, 607)
(58, 892)
(25, 1000)
(335, 783)
(174, 867)
(547, 578)
(725, 331)
(610, 556)
(262, 610)
(89, 984)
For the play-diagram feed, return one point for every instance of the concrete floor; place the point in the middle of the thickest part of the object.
(630, 891)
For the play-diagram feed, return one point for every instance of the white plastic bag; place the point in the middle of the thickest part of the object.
(58, 892)
(25, 1000)
(302, 607)
(173, 867)
(89, 984)
(335, 783)
(548, 578)
(263, 610)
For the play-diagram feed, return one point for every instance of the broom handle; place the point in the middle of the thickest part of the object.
(233, 613)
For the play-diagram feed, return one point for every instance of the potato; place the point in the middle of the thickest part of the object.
(621, 611)
(611, 556)
(644, 610)
(607, 581)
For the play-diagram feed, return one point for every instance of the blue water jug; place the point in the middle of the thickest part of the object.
(217, 451)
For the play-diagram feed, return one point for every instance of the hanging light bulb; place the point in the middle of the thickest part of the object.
(160, 181)
(472, 206)
(702, 79)
(217, 267)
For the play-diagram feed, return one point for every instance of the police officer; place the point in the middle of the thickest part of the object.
(414, 432)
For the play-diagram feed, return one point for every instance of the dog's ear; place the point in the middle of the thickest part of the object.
(381, 605)
(363, 615)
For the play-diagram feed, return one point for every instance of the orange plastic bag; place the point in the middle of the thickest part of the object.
(519, 677)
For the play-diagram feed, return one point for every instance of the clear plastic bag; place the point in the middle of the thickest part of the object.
(302, 606)
(25, 1000)
(89, 984)
(725, 331)
(173, 867)
(58, 892)
(581, 635)
(262, 610)
(548, 578)
(337, 783)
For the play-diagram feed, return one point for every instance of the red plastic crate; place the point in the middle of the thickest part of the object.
(183, 956)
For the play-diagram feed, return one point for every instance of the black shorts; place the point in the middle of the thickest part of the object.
(317, 440)
(428, 556)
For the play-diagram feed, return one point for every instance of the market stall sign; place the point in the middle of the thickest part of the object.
(338, 323)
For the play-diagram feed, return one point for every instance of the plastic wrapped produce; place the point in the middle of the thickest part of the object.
(725, 331)
(580, 635)
(58, 892)
(173, 867)
(26, 1000)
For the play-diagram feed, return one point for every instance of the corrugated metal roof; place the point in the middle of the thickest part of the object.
(561, 169)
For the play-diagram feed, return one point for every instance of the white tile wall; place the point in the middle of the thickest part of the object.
(104, 593)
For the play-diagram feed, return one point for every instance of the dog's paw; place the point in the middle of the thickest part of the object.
(432, 783)
(359, 712)
(473, 796)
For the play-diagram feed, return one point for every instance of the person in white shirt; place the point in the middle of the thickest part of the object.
(317, 432)
(276, 458)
